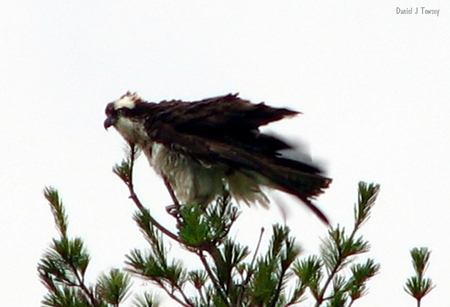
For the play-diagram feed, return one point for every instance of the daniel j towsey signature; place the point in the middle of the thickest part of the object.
(418, 10)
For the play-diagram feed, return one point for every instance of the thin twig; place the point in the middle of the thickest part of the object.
(254, 256)
(250, 272)
(186, 299)
(82, 286)
(280, 284)
(202, 296)
(138, 203)
(320, 298)
(172, 296)
(161, 228)
(335, 269)
(211, 276)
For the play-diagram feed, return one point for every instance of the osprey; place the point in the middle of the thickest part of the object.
(205, 147)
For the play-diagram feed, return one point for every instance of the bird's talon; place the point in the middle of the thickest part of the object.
(173, 210)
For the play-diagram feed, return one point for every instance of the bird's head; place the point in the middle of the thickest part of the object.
(124, 115)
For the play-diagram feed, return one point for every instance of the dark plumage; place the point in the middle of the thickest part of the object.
(202, 147)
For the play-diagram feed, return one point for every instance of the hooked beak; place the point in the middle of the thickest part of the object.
(109, 121)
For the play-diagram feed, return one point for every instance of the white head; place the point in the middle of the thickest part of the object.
(127, 101)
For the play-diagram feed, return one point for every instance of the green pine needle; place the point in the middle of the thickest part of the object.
(58, 210)
(418, 286)
(114, 286)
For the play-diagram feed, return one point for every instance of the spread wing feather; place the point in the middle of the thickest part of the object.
(224, 112)
(228, 119)
(225, 129)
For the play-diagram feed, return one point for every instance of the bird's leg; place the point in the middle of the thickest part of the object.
(175, 207)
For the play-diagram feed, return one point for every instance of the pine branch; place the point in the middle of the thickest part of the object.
(63, 266)
(124, 171)
(214, 280)
(338, 251)
(146, 300)
(230, 275)
(58, 210)
(418, 286)
(204, 232)
(114, 286)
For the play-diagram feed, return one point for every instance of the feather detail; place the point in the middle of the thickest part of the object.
(205, 146)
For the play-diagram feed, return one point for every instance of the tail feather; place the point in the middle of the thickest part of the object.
(305, 186)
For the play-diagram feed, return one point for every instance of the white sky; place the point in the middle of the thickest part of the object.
(373, 87)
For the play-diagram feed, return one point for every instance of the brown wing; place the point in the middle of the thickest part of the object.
(228, 111)
(226, 118)
(225, 129)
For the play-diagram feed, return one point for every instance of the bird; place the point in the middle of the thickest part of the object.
(204, 148)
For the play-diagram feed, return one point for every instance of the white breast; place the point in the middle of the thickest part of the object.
(191, 180)
(132, 131)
